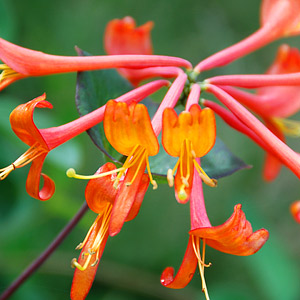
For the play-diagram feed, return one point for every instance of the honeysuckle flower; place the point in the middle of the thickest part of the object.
(295, 210)
(21, 62)
(128, 129)
(188, 136)
(123, 37)
(235, 237)
(279, 18)
(101, 195)
(271, 103)
(285, 154)
(41, 141)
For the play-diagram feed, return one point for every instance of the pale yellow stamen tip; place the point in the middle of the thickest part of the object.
(79, 246)
(5, 171)
(209, 181)
(71, 173)
(74, 263)
(170, 177)
(182, 195)
(154, 183)
(95, 263)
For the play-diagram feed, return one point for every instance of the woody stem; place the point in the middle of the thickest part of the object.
(43, 257)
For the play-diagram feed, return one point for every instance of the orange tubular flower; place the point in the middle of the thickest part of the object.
(190, 135)
(100, 196)
(128, 129)
(21, 62)
(234, 237)
(123, 37)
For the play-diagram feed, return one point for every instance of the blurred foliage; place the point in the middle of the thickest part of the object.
(133, 260)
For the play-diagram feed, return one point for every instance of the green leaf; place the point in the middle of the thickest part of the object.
(95, 88)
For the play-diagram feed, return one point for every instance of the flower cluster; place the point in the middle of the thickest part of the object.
(114, 193)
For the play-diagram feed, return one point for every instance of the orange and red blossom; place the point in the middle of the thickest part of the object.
(190, 135)
(21, 62)
(128, 129)
(121, 36)
(101, 196)
(235, 237)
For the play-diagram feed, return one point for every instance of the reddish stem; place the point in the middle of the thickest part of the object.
(44, 256)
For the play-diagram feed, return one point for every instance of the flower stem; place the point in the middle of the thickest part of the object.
(43, 257)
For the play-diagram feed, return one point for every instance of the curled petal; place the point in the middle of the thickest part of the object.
(185, 272)
(22, 123)
(83, 280)
(235, 236)
(99, 191)
(33, 181)
(126, 126)
(196, 125)
(295, 210)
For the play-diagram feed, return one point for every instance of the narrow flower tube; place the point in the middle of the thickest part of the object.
(283, 152)
(21, 62)
(42, 141)
(169, 101)
(279, 18)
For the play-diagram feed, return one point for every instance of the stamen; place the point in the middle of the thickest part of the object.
(170, 177)
(205, 178)
(94, 249)
(71, 173)
(201, 264)
(153, 182)
(32, 153)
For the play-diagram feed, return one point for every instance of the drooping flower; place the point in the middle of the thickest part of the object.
(235, 237)
(100, 195)
(190, 135)
(41, 141)
(295, 210)
(21, 62)
(128, 129)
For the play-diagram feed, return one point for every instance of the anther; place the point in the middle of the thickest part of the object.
(95, 262)
(170, 177)
(13, 165)
(79, 246)
(154, 183)
(184, 181)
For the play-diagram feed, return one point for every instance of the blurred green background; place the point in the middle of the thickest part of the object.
(133, 260)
